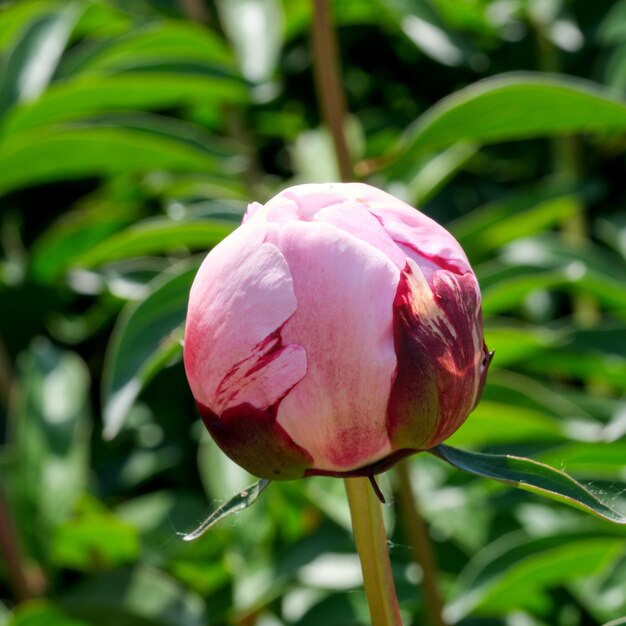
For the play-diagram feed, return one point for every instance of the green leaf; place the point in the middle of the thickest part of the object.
(29, 65)
(93, 539)
(495, 423)
(483, 231)
(518, 343)
(613, 26)
(549, 251)
(157, 236)
(102, 21)
(516, 570)
(142, 596)
(255, 28)
(88, 95)
(531, 476)
(51, 438)
(15, 18)
(589, 458)
(592, 355)
(76, 232)
(516, 389)
(433, 175)
(509, 290)
(238, 502)
(42, 613)
(518, 106)
(146, 338)
(61, 153)
(160, 41)
(611, 229)
(526, 586)
(546, 262)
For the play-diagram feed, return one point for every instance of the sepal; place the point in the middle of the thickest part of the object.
(238, 502)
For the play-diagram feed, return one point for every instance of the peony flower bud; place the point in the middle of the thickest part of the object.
(335, 331)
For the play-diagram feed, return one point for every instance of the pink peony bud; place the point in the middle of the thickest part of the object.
(334, 332)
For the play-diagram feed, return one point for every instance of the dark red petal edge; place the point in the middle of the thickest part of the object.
(461, 383)
(367, 470)
(436, 384)
(253, 439)
(413, 407)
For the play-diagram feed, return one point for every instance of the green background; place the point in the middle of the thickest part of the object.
(132, 136)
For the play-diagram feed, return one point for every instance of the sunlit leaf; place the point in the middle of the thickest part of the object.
(589, 458)
(515, 570)
(27, 68)
(42, 613)
(90, 95)
(511, 107)
(93, 539)
(514, 343)
(61, 153)
(157, 236)
(495, 423)
(159, 40)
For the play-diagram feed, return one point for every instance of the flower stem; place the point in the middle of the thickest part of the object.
(422, 549)
(371, 543)
(330, 92)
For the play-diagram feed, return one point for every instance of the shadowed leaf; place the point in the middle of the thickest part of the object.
(530, 475)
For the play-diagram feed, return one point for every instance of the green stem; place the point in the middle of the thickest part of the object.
(6, 375)
(371, 543)
(328, 84)
(11, 553)
(365, 509)
(195, 10)
(422, 549)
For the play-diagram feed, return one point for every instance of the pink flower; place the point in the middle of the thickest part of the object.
(335, 331)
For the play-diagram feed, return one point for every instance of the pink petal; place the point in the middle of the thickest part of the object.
(252, 208)
(354, 218)
(242, 295)
(414, 234)
(418, 235)
(331, 204)
(343, 320)
(302, 202)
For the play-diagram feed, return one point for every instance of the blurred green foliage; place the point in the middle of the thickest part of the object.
(132, 135)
